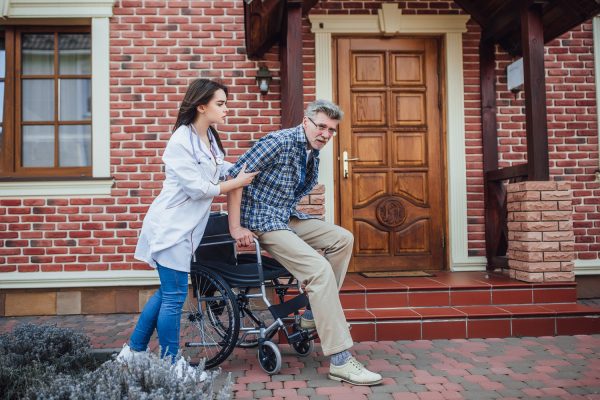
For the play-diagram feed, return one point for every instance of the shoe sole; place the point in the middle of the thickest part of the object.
(340, 379)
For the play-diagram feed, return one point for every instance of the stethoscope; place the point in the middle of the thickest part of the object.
(215, 153)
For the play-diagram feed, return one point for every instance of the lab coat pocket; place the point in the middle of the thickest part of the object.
(178, 200)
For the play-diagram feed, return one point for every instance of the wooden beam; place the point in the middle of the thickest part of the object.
(487, 73)
(532, 37)
(502, 174)
(291, 66)
(262, 24)
(474, 10)
(487, 87)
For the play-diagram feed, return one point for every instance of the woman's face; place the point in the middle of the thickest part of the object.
(216, 109)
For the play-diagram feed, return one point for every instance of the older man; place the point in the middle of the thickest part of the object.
(288, 161)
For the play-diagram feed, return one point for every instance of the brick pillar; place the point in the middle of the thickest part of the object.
(314, 202)
(540, 231)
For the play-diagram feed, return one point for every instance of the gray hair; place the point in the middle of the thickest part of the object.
(327, 107)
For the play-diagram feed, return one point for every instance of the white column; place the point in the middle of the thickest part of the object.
(457, 164)
(324, 90)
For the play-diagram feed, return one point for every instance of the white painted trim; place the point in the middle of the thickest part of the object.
(100, 97)
(456, 157)
(4, 7)
(33, 280)
(324, 90)
(472, 264)
(59, 8)
(390, 21)
(587, 267)
(596, 33)
(56, 188)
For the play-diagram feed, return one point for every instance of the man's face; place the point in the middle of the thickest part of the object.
(319, 130)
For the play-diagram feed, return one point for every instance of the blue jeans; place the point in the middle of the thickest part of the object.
(163, 313)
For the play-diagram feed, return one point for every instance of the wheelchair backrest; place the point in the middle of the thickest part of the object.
(217, 231)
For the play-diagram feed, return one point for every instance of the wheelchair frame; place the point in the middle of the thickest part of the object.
(213, 311)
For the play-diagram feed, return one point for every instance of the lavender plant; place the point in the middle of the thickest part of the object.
(34, 354)
(145, 377)
(48, 362)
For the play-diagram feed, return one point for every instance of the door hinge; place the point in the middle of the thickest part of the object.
(443, 240)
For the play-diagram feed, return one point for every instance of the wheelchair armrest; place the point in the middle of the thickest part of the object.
(261, 273)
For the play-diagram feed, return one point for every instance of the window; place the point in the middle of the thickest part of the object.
(45, 78)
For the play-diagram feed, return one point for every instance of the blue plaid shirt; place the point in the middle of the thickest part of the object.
(271, 199)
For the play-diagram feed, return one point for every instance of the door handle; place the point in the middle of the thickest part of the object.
(345, 161)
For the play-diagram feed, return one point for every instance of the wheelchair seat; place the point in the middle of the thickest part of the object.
(245, 273)
(217, 252)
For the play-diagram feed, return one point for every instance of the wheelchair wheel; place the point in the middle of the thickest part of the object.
(210, 321)
(269, 357)
(304, 348)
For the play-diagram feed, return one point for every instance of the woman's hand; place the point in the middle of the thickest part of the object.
(245, 178)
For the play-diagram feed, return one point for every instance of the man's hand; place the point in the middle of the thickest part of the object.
(242, 236)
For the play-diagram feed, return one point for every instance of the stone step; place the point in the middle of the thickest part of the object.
(460, 305)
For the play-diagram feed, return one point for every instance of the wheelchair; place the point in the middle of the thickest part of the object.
(220, 312)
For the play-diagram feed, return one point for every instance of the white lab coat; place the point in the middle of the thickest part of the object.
(176, 220)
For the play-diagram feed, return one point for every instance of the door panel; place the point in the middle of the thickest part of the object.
(392, 198)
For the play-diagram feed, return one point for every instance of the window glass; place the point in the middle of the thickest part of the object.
(37, 51)
(38, 100)
(38, 146)
(74, 54)
(75, 146)
(75, 99)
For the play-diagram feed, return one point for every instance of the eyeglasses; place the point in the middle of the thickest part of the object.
(323, 127)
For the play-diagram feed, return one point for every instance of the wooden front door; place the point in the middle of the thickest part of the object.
(391, 191)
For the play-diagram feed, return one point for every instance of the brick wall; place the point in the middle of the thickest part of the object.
(157, 47)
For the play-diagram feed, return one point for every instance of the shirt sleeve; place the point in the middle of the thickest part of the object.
(225, 168)
(260, 156)
(181, 162)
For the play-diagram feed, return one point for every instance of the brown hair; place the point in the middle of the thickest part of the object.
(200, 92)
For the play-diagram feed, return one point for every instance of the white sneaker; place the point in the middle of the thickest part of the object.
(126, 355)
(355, 373)
(182, 367)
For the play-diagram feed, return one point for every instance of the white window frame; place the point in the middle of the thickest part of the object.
(98, 12)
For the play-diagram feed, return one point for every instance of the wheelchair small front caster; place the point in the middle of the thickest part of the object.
(269, 357)
(304, 348)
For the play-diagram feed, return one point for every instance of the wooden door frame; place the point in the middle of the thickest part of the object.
(450, 28)
(442, 123)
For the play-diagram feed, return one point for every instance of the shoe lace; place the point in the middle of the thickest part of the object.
(354, 362)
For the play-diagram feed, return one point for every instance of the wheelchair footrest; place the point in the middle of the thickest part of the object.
(302, 336)
(286, 308)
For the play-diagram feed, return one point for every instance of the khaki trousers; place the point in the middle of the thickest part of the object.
(323, 275)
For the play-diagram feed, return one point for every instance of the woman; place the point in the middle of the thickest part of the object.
(175, 222)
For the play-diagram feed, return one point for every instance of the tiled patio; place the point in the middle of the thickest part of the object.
(560, 367)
